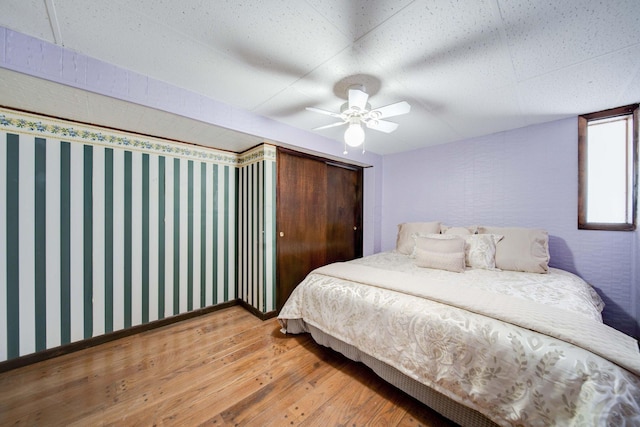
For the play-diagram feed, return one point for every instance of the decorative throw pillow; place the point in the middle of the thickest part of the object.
(442, 254)
(405, 242)
(521, 249)
(480, 250)
(417, 236)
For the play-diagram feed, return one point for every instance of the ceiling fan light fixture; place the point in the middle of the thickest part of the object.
(357, 113)
(354, 135)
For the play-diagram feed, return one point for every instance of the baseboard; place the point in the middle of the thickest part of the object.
(111, 336)
(258, 313)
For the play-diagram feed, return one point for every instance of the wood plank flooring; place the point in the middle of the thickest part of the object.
(226, 368)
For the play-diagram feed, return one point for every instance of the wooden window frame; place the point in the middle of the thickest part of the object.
(583, 122)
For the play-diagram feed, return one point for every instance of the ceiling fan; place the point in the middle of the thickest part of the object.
(357, 112)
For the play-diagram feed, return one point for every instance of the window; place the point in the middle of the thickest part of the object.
(607, 169)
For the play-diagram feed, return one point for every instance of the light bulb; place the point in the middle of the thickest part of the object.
(354, 135)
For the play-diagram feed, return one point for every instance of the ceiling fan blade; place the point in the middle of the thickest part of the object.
(325, 112)
(330, 126)
(391, 110)
(358, 98)
(382, 125)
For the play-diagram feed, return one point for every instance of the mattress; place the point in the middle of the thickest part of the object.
(506, 371)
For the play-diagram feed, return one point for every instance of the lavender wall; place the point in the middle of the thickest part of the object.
(524, 177)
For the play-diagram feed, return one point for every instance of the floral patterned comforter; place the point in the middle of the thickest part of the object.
(513, 375)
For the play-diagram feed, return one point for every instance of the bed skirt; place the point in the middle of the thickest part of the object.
(433, 399)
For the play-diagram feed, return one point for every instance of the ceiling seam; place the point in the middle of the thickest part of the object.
(53, 21)
(290, 86)
(383, 22)
(236, 60)
(573, 64)
(503, 35)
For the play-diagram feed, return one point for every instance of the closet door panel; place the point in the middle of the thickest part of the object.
(344, 213)
(301, 220)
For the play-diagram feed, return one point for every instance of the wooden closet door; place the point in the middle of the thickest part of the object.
(318, 219)
(300, 220)
(344, 213)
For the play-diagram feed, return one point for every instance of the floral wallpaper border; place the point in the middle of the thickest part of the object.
(11, 120)
(257, 154)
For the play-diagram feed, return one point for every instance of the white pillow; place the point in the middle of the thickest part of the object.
(522, 249)
(480, 250)
(416, 236)
(405, 242)
(443, 254)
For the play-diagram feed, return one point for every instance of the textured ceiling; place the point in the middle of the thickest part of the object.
(468, 68)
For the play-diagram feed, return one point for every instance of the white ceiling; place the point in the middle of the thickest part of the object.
(468, 68)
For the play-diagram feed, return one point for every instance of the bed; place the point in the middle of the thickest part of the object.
(483, 344)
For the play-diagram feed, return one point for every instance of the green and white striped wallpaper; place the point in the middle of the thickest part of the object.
(105, 230)
(256, 231)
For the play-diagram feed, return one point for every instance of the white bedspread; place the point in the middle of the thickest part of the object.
(513, 375)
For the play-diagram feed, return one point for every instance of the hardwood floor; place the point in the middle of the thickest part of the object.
(226, 368)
